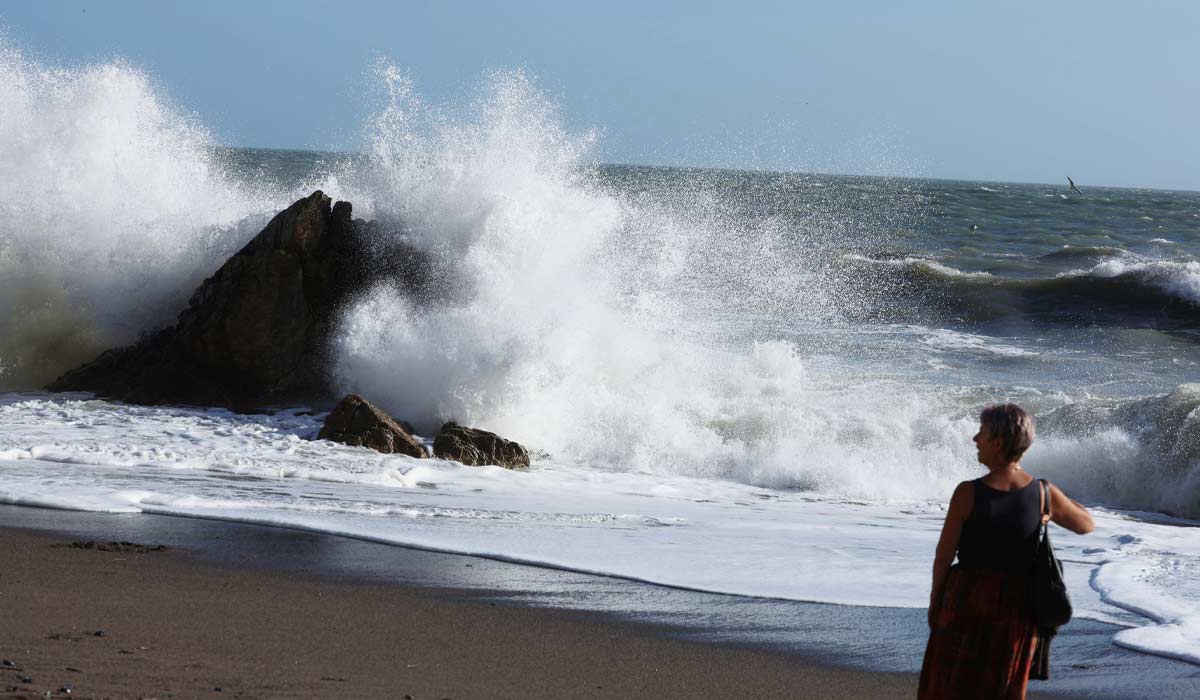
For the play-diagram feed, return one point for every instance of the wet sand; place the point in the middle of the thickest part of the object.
(163, 624)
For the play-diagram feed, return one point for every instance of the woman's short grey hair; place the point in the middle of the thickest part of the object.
(1012, 425)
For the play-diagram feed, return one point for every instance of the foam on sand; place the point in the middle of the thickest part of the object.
(701, 534)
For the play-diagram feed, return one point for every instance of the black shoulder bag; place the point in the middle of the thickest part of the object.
(1051, 604)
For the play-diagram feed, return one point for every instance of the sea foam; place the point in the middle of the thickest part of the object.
(1136, 571)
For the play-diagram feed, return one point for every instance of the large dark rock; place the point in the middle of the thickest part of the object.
(478, 447)
(257, 331)
(355, 421)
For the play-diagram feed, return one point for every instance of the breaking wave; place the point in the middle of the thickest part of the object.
(1117, 292)
(115, 206)
(1139, 453)
(595, 325)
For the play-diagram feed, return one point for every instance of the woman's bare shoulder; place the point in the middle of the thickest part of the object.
(964, 488)
(1056, 494)
(962, 500)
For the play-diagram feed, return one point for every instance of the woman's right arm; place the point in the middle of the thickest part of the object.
(947, 547)
(1068, 513)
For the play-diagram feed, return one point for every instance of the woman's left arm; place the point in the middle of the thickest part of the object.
(956, 515)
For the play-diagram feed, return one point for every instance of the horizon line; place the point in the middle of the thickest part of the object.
(764, 171)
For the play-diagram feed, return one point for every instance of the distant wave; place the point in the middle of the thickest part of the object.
(1076, 252)
(923, 265)
(1180, 280)
(1114, 292)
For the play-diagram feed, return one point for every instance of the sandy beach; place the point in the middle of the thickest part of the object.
(156, 624)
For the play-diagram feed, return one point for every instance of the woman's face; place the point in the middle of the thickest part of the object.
(986, 446)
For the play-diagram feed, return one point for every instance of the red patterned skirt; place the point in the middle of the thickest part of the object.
(983, 638)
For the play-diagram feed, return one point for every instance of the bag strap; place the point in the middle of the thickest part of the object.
(1045, 488)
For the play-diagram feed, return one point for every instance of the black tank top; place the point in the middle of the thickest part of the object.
(1002, 531)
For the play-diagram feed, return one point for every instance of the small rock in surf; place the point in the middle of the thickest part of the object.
(475, 447)
(357, 422)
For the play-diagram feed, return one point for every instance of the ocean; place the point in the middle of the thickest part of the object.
(749, 383)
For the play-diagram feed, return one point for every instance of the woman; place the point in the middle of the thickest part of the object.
(982, 636)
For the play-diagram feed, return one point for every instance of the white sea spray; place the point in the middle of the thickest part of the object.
(593, 326)
(115, 206)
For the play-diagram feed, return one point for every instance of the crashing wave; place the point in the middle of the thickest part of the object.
(1164, 294)
(1180, 280)
(1133, 453)
(115, 206)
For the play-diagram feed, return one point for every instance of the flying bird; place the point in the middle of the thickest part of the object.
(1072, 187)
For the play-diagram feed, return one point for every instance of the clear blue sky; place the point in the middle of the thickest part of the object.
(1023, 91)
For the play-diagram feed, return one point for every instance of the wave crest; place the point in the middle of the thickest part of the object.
(1114, 292)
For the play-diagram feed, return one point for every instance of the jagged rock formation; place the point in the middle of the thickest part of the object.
(478, 447)
(257, 333)
(357, 422)
(254, 333)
